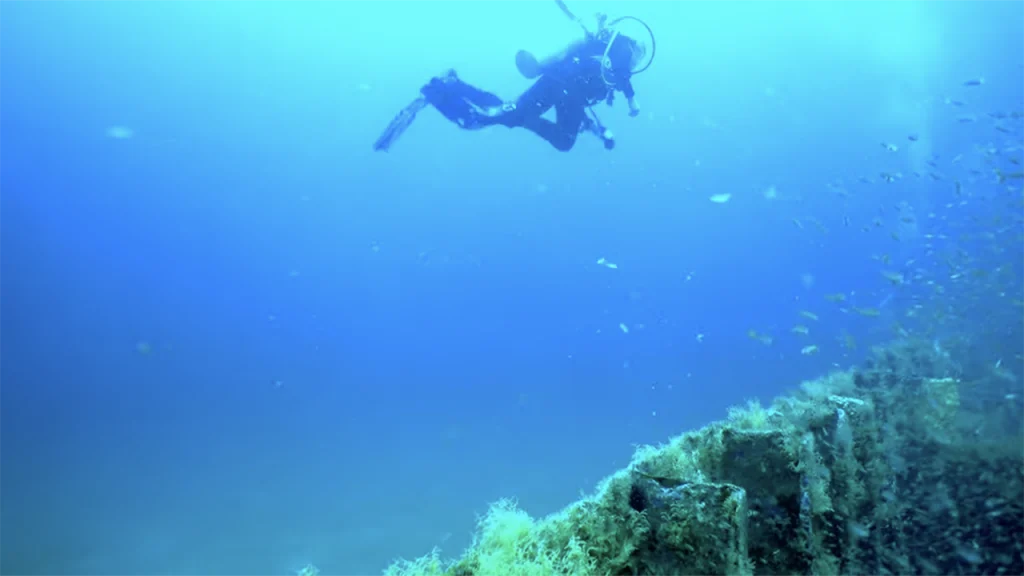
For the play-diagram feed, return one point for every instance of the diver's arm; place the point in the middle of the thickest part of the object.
(627, 89)
(634, 109)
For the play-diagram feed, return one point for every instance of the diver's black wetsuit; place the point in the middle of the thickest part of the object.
(570, 86)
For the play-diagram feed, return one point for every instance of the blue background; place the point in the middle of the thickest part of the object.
(236, 340)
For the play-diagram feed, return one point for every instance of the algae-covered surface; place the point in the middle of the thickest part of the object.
(894, 467)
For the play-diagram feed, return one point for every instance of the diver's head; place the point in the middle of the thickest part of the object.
(637, 53)
(626, 54)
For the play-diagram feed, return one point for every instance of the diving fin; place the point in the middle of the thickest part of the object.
(398, 125)
(528, 65)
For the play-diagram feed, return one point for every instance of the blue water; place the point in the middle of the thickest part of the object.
(236, 340)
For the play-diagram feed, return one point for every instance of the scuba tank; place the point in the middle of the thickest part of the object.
(531, 67)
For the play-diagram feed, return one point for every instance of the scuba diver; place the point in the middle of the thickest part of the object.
(571, 81)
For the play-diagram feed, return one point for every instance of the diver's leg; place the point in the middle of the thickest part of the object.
(474, 95)
(571, 119)
(527, 110)
(551, 132)
(462, 103)
(539, 98)
(444, 96)
(459, 102)
(481, 98)
(561, 134)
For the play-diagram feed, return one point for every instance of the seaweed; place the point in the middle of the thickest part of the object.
(875, 470)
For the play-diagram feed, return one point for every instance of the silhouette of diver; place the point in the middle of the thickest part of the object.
(571, 81)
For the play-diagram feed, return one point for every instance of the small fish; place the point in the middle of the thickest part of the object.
(912, 137)
(624, 328)
(1003, 176)
(895, 277)
(890, 147)
(837, 297)
(720, 198)
(974, 82)
(120, 132)
(869, 312)
(800, 329)
(849, 343)
(809, 350)
(663, 481)
(858, 530)
(762, 338)
(809, 315)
